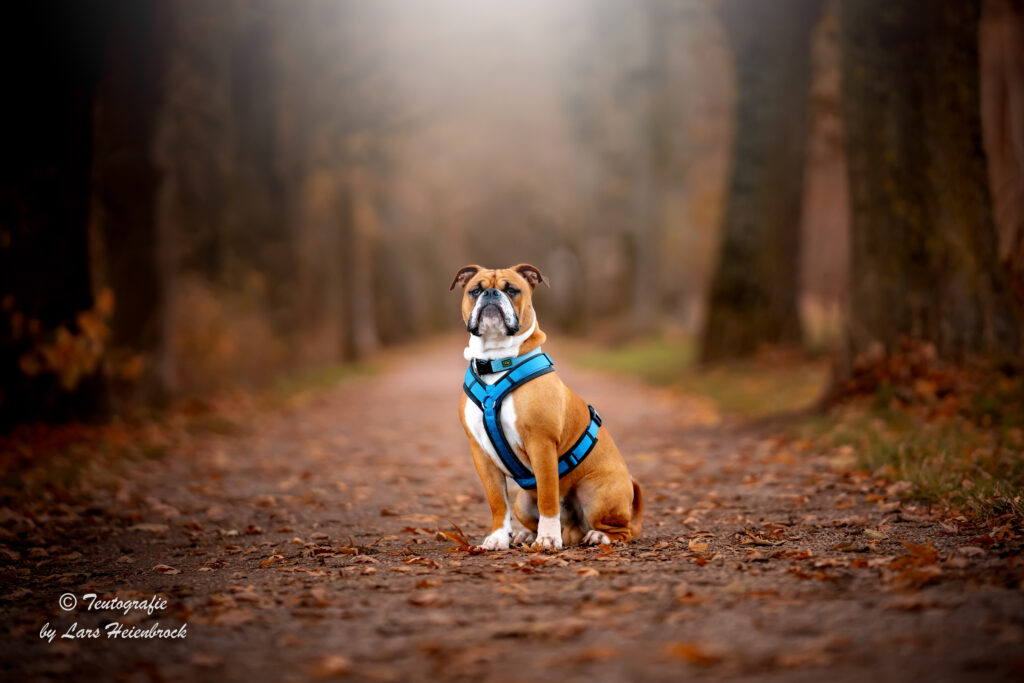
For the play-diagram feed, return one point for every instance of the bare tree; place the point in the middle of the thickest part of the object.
(1002, 107)
(125, 185)
(923, 246)
(754, 292)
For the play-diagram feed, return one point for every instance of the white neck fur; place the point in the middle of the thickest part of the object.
(492, 344)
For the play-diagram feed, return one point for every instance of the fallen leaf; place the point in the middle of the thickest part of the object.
(596, 653)
(425, 561)
(331, 666)
(694, 653)
(429, 598)
(753, 539)
(273, 559)
(458, 537)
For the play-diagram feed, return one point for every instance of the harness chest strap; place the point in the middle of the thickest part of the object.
(489, 397)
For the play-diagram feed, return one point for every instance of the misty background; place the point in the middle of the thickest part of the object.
(200, 195)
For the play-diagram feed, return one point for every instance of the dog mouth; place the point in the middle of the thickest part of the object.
(492, 314)
(493, 317)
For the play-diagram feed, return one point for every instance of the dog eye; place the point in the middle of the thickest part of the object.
(510, 290)
(476, 291)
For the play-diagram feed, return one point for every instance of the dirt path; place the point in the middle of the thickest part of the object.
(307, 547)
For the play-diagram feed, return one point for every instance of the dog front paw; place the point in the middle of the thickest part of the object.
(548, 542)
(523, 536)
(549, 533)
(498, 540)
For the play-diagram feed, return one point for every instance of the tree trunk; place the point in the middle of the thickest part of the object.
(44, 197)
(125, 185)
(348, 348)
(650, 182)
(1002, 108)
(258, 233)
(923, 251)
(754, 291)
(361, 326)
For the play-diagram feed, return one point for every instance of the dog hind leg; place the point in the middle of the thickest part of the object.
(525, 508)
(573, 521)
(608, 511)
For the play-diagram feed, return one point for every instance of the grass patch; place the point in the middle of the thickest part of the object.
(757, 388)
(957, 440)
(320, 378)
(656, 361)
(974, 468)
(955, 435)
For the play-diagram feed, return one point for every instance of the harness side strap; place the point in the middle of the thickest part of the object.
(571, 459)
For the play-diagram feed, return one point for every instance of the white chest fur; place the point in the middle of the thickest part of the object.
(492, 344)
(475, 422)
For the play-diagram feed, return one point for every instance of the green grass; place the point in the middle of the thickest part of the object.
(974, 466)
(750, 389)
(758, 389)
(971, 460)
(656, 361)
(320, 378)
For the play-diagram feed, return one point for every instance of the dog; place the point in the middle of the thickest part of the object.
(574, 486)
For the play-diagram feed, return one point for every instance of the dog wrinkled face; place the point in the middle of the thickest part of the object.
(497, 302)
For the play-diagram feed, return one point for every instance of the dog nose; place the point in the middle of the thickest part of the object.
(491, 293)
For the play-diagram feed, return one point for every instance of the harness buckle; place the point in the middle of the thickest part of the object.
(595, 416)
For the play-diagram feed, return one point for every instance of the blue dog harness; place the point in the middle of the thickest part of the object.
(488, 397)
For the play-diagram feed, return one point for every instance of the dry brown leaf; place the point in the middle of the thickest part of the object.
(429, 598)
(694, 653)
(273, 559)
(463, 542)
(331, 666)
(596, 653)
(753, 539)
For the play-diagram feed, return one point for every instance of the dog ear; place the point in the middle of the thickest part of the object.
(531, 275)
(464, 275)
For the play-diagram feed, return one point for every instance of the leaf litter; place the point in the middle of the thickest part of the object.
(743, 547)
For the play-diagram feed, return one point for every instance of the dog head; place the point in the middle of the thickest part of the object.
(498, 302)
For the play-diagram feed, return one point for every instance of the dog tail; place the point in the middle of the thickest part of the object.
(636, 521)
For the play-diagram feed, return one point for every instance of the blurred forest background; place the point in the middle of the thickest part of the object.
(200, 195)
